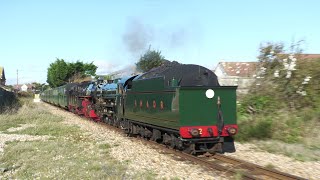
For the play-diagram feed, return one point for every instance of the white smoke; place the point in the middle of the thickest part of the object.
(105, 67)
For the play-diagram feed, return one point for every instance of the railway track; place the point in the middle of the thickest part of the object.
(232, 166)
(225, 164)
(254, 169)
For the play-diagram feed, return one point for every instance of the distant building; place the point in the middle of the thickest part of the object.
(2, 76)
(24, 87)
(241, 74)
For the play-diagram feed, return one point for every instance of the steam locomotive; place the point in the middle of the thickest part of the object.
(180, 105)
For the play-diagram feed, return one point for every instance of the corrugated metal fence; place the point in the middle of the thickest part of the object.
(7, 99)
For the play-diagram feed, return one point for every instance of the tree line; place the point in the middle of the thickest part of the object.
(61, 72)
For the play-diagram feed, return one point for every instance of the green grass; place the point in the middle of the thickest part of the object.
(270, 166)
(104, 146)
(297, 151)
(146, 175)
(291, 134)
(60, 160)
(285, 126)
(238, 175)
(68, 154)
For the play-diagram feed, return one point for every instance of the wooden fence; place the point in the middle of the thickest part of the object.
(7, 99)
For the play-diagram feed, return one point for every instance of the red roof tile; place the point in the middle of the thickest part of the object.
(241, 69)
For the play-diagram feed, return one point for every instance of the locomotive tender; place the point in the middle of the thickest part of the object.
(180, 105)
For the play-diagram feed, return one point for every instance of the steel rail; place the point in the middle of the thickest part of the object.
(257, 168)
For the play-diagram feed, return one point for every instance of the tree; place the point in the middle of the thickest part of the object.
(61, 72)
(80, 70)
(39, 86)
(150, 60)
(269, 54)
(57, 73)
(287, 77)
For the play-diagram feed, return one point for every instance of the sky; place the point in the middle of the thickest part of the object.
(114, 34)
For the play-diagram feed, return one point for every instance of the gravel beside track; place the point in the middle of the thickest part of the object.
(138, 156)
(251, 153)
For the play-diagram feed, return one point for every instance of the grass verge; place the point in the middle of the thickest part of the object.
(297, 151)
(68, 154)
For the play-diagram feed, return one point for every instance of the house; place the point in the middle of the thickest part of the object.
(2, 76)
(241, 74)
(24, 87)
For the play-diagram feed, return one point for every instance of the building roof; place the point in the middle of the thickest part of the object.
(29, 86)
(248, 69)
(241, 69)
(309, 56)
(304, 56)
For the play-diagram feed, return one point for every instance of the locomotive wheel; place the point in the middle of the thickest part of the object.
(116, 122)
(156, 135)
(190, 149)
(173, 141)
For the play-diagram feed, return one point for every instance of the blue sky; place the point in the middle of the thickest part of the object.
(114, 34)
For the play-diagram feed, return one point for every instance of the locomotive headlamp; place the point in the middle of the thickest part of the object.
(209, 93)
(194, 132)
(232, 131)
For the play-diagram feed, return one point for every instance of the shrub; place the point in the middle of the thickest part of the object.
(258, 104)
(255, 129)
(284, 100)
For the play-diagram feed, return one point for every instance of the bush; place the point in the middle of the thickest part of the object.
(286, 100)
(258, 104)
(25, 94)
(255, 129)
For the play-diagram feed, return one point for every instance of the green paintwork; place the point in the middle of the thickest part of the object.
(62, 98)
(148, 91)
(55, 96)
(197, 109)
(162, 117)
(58, 96)
(183, 106)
